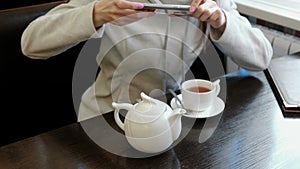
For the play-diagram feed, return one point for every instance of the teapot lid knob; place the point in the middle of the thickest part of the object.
(146, 111)
(143, 106)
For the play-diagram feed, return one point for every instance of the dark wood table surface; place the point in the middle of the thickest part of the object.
(252, 133)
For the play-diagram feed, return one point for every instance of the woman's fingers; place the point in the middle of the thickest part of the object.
(132, 18)
(110, 10)
(208, 11)
(122, 4)
(195, 4)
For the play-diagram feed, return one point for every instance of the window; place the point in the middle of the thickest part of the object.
(282, 12)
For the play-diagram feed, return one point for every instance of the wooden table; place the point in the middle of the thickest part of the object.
(252, 133)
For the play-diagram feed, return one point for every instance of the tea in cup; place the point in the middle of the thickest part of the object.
(199, 94)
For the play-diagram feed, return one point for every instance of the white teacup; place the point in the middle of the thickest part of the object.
(199, 94)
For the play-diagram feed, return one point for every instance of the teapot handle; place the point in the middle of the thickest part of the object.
(117, 107)
(118, 120)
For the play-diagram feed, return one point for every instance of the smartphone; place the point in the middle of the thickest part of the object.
(149, 6)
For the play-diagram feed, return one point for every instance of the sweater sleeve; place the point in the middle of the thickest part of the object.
(246, 45)
(60, 29)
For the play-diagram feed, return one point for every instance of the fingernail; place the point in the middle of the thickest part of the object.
(192, 9)
(139, 6)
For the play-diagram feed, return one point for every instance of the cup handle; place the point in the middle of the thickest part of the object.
(217, 86)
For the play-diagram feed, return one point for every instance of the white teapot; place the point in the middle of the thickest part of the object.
(151, 125)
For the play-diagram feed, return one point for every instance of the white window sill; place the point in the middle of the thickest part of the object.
(285, 13)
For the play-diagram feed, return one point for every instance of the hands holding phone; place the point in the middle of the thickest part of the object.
(115, 10)
(119, 12)
(208, 11)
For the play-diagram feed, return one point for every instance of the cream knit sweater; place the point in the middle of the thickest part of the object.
(133, 57)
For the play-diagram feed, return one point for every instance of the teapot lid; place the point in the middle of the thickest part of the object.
(147, 111)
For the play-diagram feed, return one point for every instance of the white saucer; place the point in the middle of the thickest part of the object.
(217, 108)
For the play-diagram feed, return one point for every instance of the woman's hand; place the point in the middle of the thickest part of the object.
(115, 11)
(208, 11)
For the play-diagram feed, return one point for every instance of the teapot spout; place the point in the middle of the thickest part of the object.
(175, 122)
(178, 111)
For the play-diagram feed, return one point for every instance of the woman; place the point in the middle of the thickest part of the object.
(78, 20)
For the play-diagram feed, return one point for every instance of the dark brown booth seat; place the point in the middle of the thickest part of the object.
(36, 94)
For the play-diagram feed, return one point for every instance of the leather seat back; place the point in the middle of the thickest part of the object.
(36, 94)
